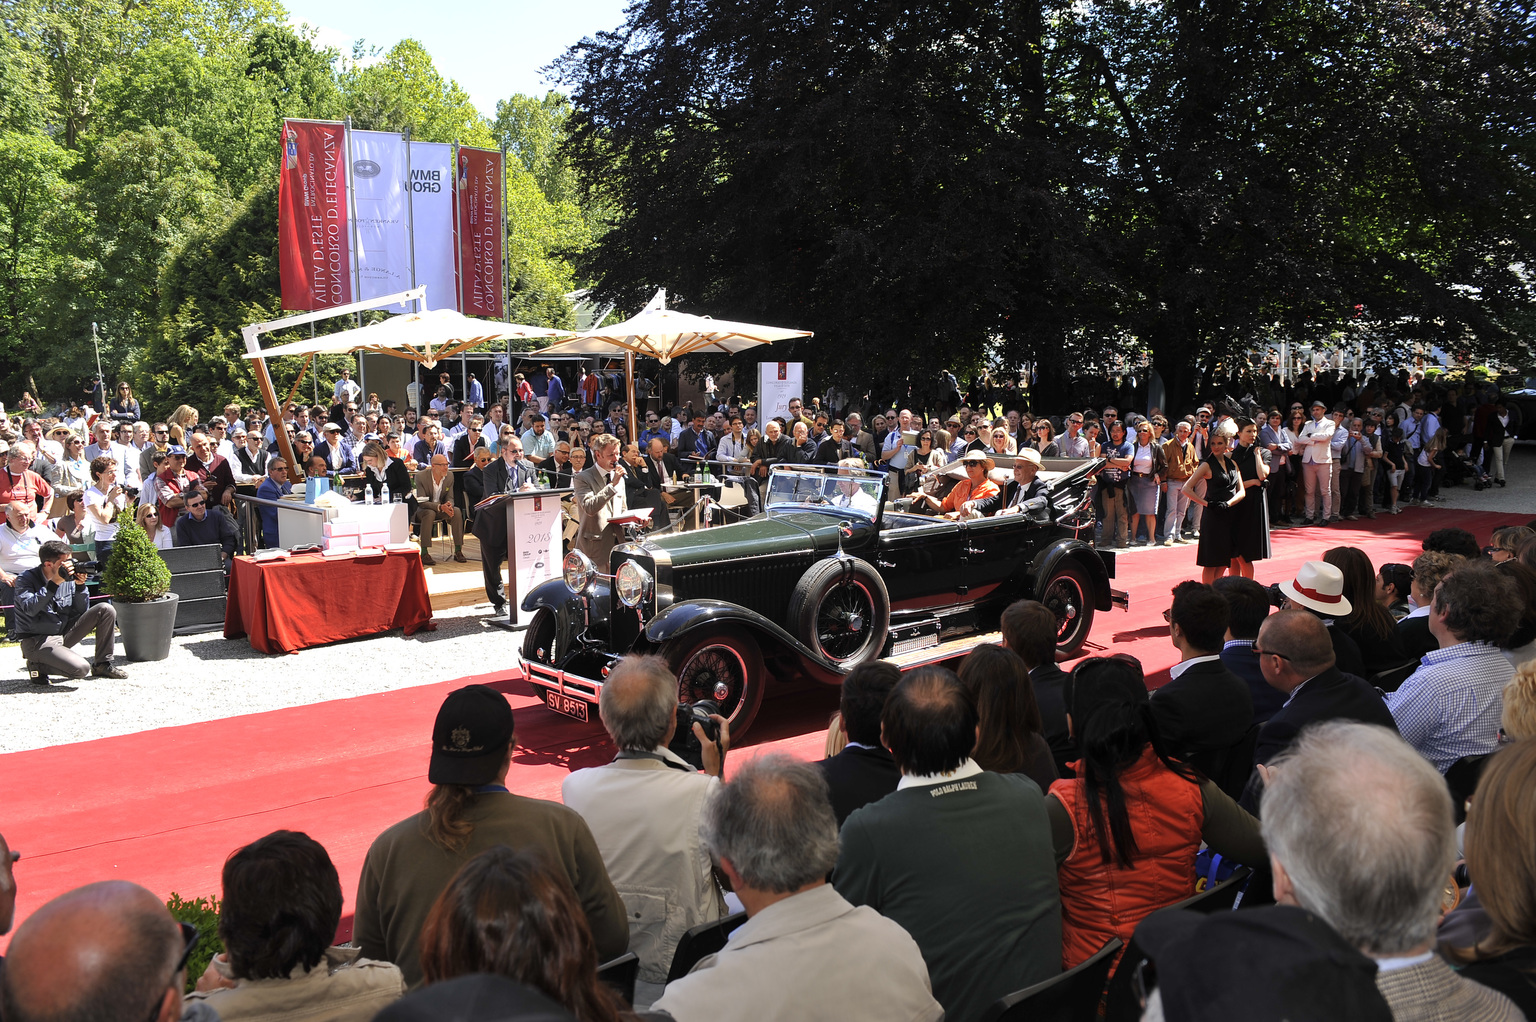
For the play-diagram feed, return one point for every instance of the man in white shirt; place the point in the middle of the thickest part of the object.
(20, 541)
(644, 810)
(1316, 442)
(126, 455)
(346, 390)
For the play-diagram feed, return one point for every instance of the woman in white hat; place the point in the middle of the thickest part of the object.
(973, 496)
(1223, 490)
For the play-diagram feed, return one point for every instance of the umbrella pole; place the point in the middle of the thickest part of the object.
(629, 387)
(274, 413)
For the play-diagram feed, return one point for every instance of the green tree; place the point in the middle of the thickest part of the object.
(406, 92)
(532, 131)
(35, 214)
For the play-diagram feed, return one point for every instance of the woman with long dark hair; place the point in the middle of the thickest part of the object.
(1369, 623)
(1012, 733)
(1127, 828)
(509, 914)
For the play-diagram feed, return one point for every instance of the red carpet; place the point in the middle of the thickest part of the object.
(163, 808)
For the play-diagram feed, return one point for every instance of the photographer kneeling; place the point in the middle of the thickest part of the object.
(644, 810)
(53, 614)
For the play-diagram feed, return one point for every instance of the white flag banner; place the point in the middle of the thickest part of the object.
(432, 217)
(380, 200)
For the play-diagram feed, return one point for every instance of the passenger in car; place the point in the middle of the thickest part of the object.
(1024, 487)
(973, 497)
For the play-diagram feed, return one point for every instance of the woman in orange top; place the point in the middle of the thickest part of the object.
(973, 496)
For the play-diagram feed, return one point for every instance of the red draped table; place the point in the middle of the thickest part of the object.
(309, 600)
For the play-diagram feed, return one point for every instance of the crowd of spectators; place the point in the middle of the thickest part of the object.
(967, 836)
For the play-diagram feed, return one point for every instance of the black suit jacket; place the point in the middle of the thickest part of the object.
(1244, 662)
(1332, 695)
(683, 451)
(491, 527)
(1036, 488)
(1346, 651)
(1206, 709)
(464, 449)
(1416, 636)
(1053, 692)
(857, 777)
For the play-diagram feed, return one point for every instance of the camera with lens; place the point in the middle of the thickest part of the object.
(90, 569)
(1277, 595)
(131, 491)
(685, 744)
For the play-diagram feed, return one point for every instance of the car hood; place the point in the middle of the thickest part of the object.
(790, 532)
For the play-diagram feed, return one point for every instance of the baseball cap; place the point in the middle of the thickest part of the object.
(237, 430)
(470, 737)
(175, 449)
(1278, 962)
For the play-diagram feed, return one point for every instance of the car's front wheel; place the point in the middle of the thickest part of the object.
(724, 667)
(1068, 594)
(539, 639)
(840, 609)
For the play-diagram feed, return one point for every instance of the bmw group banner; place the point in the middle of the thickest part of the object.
(314, 249)
(381, 204)
(478, 196)
(432, 222)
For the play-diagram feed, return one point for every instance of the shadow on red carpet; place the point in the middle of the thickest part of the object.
(164, 808)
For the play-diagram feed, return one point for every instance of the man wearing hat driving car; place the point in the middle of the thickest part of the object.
(470, 810)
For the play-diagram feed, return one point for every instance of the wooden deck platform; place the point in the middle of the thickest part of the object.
(451, 584)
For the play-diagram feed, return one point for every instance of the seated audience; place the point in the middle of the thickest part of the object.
(1429, 570)
(148, 519)
(281, 906)
(961, 858)
(1501, 832)
(1127, 829)
(1518, 719)
(862, 771)
(1281, 964)
(478, 997)
(1504, 544)
(1521, 644)
(1319, 589)
(513, 914)
(204, 524)
(1367, 621)
(644, 810)
(1029, 629)
(1008, 739)
(804, 951)
(1297, 660)
(1380, 881)
(1247, 607)
(1394, 584)
(107, 950)
(1449, 707)
(1453, 541)
(1205, 709)
(468, 811)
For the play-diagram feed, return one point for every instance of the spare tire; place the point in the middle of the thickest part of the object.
(841, 610)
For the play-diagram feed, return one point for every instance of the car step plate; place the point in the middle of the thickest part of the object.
(943, 651)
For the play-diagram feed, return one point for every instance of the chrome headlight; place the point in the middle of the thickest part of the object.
(578, 571)
(633, 584)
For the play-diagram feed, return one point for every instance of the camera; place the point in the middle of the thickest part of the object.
(685, 744)
(1277, 596)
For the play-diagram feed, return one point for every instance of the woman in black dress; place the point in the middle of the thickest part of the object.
(1223, 489)
(1250, 518)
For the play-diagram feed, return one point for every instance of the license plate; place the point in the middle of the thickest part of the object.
(566, 705)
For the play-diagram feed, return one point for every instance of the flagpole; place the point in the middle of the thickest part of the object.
(357, 285)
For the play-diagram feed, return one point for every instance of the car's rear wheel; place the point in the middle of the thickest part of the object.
(725, 667)
(1068, 594)
(841, 610)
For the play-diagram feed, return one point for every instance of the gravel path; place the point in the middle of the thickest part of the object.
(208, 677)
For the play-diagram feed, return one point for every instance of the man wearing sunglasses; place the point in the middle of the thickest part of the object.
(203, 524)
(106, 950)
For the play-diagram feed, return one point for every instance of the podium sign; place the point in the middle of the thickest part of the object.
(534, 545)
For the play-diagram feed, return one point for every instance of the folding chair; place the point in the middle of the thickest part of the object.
(1071, 997)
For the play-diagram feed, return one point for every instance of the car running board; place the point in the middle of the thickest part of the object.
(943, 651)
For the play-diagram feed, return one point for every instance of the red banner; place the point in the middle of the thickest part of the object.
(478, 183)
(314, 251)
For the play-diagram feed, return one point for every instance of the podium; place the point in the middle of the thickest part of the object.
(534, 542)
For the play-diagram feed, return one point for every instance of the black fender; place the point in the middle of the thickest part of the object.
(570, 621)
(1047, 560)
(695, 615)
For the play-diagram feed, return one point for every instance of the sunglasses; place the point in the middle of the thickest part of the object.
(1268, 652)
(190, 938)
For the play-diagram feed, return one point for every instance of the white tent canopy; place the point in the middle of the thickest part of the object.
(665, 334)
(425, 337)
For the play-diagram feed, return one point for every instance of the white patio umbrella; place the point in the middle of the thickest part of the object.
(665, 334)
(425, 337)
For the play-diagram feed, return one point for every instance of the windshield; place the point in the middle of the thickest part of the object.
(855, 489)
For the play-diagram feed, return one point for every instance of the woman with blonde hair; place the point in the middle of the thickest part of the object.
(1501, 860)
(1519, 716)
(184, 416)
(148, 518)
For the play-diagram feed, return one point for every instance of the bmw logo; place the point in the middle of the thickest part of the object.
(366, 168)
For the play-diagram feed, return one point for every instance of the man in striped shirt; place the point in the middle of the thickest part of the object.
(1449, 708)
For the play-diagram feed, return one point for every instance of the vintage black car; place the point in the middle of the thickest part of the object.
(827, 576)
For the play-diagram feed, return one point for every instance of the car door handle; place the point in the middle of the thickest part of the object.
(975, 551)
(884, 564)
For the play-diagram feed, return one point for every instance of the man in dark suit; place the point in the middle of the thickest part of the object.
(860, 438)
(863, 772)
(1248, 603)
(506, 474)
(336, 451)
(1205, 711)
(1029, 629)
(1023, 487)
(695, 445)
(1297, 658)
(642, 486)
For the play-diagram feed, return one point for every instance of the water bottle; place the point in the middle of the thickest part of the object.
(384, 493)
(367, 494)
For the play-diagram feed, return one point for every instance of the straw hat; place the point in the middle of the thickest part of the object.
(1318, 586)
(1030, 455)
(987, 463)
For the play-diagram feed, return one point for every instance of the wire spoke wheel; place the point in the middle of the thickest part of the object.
(845, 620)
(1067, 596)
(727, 669)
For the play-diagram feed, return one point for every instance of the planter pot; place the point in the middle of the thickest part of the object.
(147, 627)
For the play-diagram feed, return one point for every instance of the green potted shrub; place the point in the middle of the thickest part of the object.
(139, 582)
